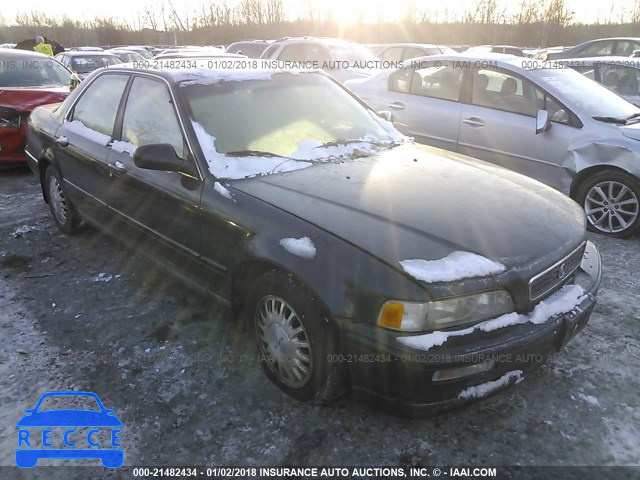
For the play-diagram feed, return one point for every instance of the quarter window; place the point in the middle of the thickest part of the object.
(150, 117)
(98, 106)
(598, 49)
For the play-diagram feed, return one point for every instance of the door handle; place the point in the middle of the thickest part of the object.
(62, 141)
(117, 167)
(396, 105)
(473, 122)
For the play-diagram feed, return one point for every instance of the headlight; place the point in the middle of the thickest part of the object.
(443, 314)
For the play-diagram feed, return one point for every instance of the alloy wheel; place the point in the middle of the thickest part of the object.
(611, 206)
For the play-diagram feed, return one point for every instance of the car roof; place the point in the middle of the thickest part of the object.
(402, 44)
(14, 52)
(501, 59)
(621, 61)
(84, 53)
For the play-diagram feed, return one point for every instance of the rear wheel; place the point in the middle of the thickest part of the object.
(64, 214)
(295, 339)
(611, 201)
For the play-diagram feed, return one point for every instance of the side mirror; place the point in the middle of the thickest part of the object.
(160, 156)
(543, 121)
(386, 114)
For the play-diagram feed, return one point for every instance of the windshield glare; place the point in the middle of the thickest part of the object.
(32, 72)
(352, 53)
(283, 115)
(593, 98)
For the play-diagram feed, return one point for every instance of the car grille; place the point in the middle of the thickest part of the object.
(556, 275)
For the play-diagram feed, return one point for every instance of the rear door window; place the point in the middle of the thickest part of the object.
(98, 106)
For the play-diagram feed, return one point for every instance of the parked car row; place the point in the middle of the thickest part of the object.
(446, 246)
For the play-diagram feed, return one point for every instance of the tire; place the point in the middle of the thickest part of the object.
(611, 200)
(279, 310)
(64, 214)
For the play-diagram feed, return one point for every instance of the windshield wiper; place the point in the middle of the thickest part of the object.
(631, 117)
(618, 121)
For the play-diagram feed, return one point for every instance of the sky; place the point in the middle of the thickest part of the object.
(586, 11)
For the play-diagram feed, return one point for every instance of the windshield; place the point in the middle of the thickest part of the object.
(32, 72)
(89, 63)
(305, 116)
(352, 53)
(578, 90)
(129, 57)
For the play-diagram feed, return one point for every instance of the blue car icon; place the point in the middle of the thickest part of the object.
(27, 455)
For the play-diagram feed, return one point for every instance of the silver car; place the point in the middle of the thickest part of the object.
(552, 124)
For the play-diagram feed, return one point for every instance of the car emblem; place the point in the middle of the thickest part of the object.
(561, 271)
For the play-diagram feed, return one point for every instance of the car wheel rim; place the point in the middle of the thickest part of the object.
(611, 207)
(58, 202)
(283, 341)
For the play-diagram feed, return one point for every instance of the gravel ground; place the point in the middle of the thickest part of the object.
(83, 313)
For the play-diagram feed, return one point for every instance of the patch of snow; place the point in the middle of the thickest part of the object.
(218, 187)
(203, 76)
(103, 277)
(122, 147)
(563, 301)
(485, 389)
(589, 399)
(22, 229)
(455, 266)
(81, 129)
(301, 247)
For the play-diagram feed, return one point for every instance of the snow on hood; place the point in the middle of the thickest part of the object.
(456, 266)
(300, 247)
(308, 153)
(563, 301)
(486, 388)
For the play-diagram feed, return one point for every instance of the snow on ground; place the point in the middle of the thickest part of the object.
(593, 401)
(122, 147)
(563, 301)
(218, 187)
(300, 247)
(22, 229)
(81, 129)
(485, 389)
(456, 266)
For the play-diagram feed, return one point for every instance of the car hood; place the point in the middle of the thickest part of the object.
(25, 99)
(69, 418)
(418, 202)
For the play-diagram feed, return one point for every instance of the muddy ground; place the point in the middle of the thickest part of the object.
(83, 313)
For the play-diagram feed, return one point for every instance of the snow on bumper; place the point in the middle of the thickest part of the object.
(564, 301)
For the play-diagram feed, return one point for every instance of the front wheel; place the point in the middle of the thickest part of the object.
(295, 339)
(64, 214)
(611, 201)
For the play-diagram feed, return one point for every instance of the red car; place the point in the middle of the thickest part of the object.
(27, 80)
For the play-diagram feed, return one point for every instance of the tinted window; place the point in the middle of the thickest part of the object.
(149, 116)
(437, 82)
(622, 80)
(625, 48)
(268, 53)
(31, 72)
(301, 52)
(89, 63)
(588, 72)
(98, 105)
(598, 49)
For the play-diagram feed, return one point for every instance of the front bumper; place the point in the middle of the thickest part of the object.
(395, 375)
